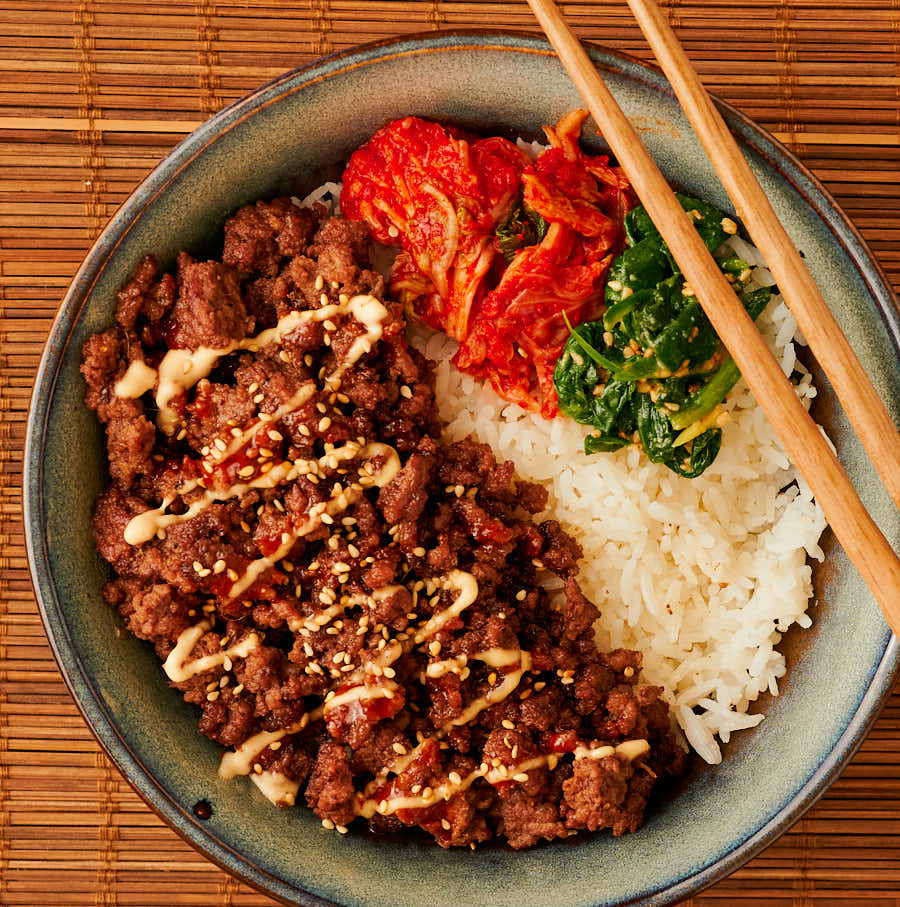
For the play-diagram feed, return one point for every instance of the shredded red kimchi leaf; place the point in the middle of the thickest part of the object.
(442, 198)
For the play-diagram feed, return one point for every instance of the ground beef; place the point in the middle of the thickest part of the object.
(379, 689)
(209, 310)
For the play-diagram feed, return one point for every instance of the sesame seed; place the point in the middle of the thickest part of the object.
(219, 566)
(520, 595)
(238, 689)
(729, 226)
(259, 398)
(521, 776)
(419, 551)
(406, 391)
(492, 677)
(327, 823)
(508, 724)
(341, 829)
(327, 519)
(454, 778)
(329, 325)
(212, 697)
(197, 566)
(181, 435)
(399, 748)
(320, 282)
(324, 423)
(629, 671)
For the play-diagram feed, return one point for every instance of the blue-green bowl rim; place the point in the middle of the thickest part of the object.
(76, 678)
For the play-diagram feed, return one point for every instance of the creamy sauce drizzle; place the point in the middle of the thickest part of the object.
(334, 505)
(467, 586)
(139, 379)
(181, 369)
(368, 807)
(144, 526)
(360, 693)
(240, 761)
(275, 786)
(323, 618)
(178, 668)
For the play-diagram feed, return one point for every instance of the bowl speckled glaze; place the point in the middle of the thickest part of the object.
(289, 136)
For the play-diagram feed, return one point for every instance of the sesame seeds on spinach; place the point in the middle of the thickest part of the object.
(653, 371)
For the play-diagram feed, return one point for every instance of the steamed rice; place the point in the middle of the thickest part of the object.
(703, 575)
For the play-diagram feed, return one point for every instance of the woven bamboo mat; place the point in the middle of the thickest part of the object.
(93, 93)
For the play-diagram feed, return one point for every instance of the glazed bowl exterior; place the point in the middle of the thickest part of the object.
(288, 137)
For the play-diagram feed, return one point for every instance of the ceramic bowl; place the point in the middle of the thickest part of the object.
(288, 137)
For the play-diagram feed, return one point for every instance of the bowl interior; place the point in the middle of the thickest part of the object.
(289, 137)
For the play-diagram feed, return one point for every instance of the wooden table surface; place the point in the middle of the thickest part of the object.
(93, 93)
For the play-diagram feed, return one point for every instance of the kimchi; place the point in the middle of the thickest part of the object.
(496, 250)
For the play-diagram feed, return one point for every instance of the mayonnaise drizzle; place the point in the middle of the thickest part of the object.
(139, 379)
(468, 592)
(361, 693)
(281, 790)
(144, 526)
(323, 618)
(179, 669)
(240, 762)
(368, 807)
(181, 369)
(335, 504)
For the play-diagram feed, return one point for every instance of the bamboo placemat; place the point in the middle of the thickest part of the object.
(93, 93)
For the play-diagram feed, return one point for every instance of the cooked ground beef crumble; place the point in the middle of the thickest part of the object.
(360, 611)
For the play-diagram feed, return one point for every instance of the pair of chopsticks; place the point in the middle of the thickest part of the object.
(856, 531)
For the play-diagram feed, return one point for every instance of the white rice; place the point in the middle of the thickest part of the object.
(702, 575)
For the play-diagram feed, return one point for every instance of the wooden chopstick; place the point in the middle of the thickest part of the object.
(861, 538)
(864, 408)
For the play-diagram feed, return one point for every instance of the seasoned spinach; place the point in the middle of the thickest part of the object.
(654, 372)
(522, 227)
